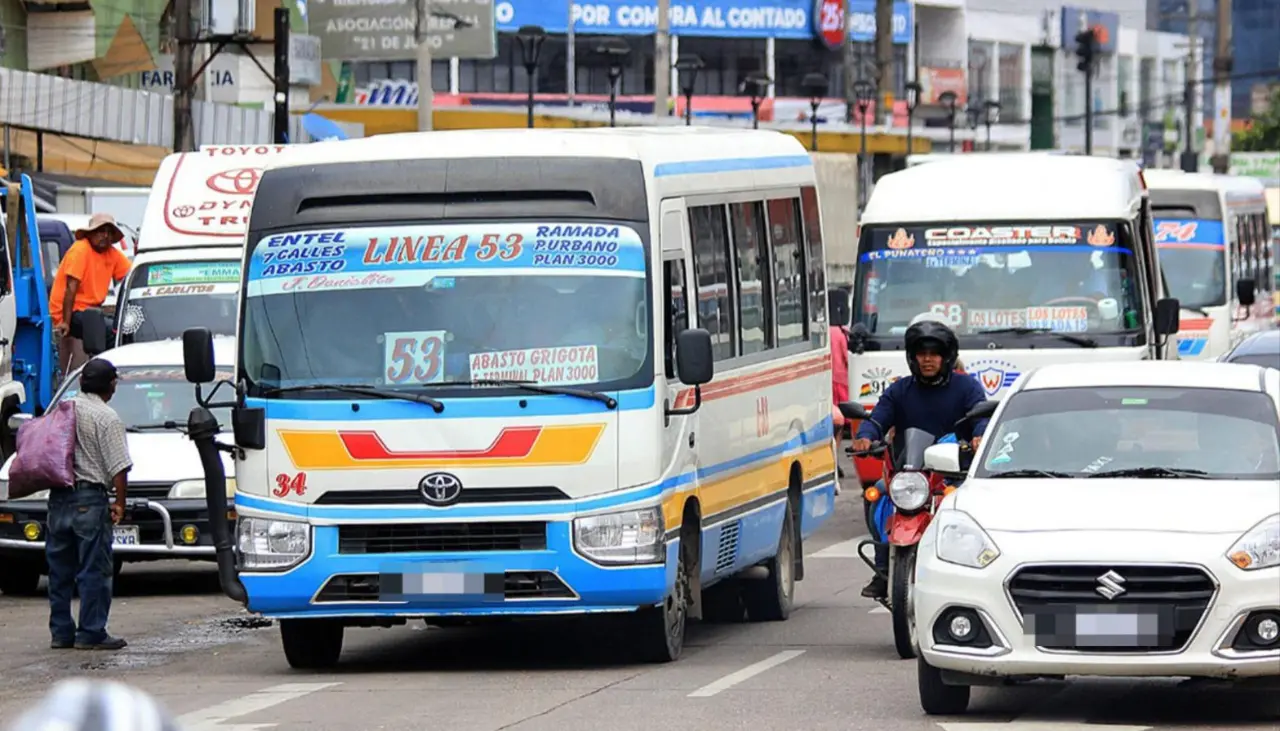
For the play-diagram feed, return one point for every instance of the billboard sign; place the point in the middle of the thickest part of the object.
(386, 31)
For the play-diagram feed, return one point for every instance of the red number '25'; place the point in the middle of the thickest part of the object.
(416, 359)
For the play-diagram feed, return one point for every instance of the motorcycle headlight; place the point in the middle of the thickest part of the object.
(1259, 547)
(624, 537)
(909, 491)
(272, 544)
(963, 542)
(194, 489)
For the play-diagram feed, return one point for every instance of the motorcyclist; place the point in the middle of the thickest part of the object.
(930, 399)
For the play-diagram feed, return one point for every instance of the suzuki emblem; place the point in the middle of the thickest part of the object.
(1111, 585)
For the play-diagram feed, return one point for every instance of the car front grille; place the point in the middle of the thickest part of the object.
(1178, 596)
(442, 537)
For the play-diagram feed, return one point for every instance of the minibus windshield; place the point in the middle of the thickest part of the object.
(1193, 259)
(166, 298)
(430, 307)
(1061, 277)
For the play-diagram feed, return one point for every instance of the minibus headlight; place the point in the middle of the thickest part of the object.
(624, 537)
(271, 544)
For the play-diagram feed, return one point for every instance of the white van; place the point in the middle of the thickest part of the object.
(1031, 258)
(187, 271)
(1214, 245)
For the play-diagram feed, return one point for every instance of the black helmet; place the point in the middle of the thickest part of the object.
(933, 334)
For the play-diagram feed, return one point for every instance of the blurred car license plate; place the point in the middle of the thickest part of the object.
(125, 535)
(1106, 629)
(440, 586)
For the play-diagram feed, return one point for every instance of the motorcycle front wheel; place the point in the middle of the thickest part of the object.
(902, 584)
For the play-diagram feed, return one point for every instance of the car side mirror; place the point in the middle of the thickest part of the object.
(853, 411)
(17, 420)
(1246, 292)
(93, 331)
(197, 355)
(695, 358)
(1168, 316)
(943, 458)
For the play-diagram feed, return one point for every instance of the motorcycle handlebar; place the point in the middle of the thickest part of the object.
(877, 448)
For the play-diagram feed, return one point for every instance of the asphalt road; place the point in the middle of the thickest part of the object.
(831, 666)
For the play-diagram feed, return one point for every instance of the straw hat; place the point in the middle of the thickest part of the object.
(99, 221)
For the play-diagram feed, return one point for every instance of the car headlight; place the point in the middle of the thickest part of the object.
(272, 544)
(909, 491)
(963, 542)
(1259, 547)
(624, 537)
(194, 489)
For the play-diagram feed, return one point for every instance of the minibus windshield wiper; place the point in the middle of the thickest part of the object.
(1081, 340)
(162, 426)
(1027, 473)
(359, 390)
(535, 387)
(1155, 472)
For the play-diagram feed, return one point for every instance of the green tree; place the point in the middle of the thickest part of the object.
(1263, 134)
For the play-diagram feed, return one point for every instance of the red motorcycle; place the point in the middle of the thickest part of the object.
(899, 515)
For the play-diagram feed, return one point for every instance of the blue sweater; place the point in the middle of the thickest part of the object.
(906, 404)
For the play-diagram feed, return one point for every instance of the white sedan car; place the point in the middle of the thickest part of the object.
(1120, 519)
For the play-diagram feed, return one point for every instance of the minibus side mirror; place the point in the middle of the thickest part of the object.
(695, 358)
(1246, 292)
(93, 331)
(249, 425)
(197, 355)
(1168, 315)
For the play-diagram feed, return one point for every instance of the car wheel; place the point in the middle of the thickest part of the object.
(770, 600)
(936, 697)
(19, 577)
(311, 644)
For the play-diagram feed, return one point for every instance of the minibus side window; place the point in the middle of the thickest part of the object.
(677, 308)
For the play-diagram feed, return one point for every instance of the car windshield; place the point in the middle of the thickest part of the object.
(414, 307)
(1193, 259)
(164, 299)
(149, 396)
(1073, 277)
(1266, 360)
(1083, 432)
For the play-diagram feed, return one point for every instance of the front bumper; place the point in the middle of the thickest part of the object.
(159, 524)
(1015, 652)
(549, 581)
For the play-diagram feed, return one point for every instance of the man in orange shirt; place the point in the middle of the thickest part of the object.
(83, 281)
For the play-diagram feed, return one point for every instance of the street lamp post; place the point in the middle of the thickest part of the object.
(973, 115)
(991, 115)
(687, 66)
(913, 90)
(865, 92)
(949, 99)
(615, 52)
(531, 38)
(757, 86)
(815, 85)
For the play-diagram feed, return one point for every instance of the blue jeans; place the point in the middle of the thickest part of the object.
(78, 549)
(882, 549)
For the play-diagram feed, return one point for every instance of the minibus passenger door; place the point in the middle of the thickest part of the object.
(679, 314)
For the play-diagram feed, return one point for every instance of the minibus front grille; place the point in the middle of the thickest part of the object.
(516, 585)
(471, 495)
(442, 537)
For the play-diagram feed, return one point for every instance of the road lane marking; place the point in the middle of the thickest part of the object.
(213, 717)
(746, 673)
(879, 610)
(843, 549)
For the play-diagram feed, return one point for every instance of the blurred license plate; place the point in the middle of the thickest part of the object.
(125, 535)
(1104, 629)
(439, 586)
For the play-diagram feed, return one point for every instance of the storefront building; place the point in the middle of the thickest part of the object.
(733, 38)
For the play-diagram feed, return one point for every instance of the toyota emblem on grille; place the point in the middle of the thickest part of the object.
(440, 489)
(1111, 585)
